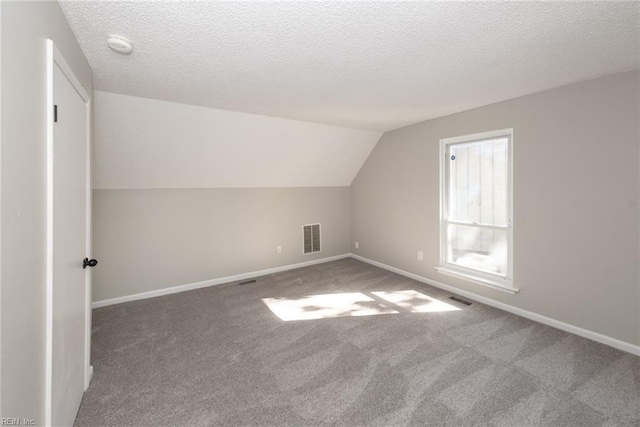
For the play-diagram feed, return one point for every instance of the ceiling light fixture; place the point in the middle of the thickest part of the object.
(119, 43)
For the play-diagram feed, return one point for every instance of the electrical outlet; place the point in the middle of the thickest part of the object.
(420, 256)
(278, 249)
(357, 245)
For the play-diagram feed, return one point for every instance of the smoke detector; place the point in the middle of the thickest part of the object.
(119, 43)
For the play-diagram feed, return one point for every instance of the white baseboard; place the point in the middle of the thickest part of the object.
(88, 378)
(212, 282)
(585, 333)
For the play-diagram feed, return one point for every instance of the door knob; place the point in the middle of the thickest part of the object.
(89, 263)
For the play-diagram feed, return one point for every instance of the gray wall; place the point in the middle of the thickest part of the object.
(25, 27)
(147, 240)
(576, 189)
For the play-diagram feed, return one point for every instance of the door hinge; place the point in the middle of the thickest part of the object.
(55, 114)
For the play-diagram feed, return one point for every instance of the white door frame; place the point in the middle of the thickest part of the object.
(54, 57)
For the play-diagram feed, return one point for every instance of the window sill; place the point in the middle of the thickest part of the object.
(493, 284)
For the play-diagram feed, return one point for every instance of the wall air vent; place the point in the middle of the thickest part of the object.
(311, 239)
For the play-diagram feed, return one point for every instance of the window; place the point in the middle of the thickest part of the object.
(476, 230)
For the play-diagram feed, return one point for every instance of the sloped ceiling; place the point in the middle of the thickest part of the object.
(145, 143)
(364, 65)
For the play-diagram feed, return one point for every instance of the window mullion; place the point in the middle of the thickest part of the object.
(478, 225)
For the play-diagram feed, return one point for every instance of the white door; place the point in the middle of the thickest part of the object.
(69, 247)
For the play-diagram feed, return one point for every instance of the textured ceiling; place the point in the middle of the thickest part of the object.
(366, 65)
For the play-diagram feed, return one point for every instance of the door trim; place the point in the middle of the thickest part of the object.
(54, 57)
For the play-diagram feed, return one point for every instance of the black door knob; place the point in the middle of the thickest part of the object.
(89, 263)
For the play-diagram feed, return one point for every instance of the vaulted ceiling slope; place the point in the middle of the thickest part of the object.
(365, 65)
(146, 143)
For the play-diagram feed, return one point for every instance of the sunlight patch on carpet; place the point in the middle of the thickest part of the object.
(324, 306)
(354, 304)
(415, 301)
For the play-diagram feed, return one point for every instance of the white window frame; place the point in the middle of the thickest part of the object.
(496, 281)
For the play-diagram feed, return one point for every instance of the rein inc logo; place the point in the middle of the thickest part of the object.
(17, 422)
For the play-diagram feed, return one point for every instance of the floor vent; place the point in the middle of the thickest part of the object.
(310, 238)
(246, 282)
(460, 300)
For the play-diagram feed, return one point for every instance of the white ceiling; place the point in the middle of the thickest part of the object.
(146, 143)
(365, 65)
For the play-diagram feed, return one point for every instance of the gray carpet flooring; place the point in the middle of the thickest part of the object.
(220, 356)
